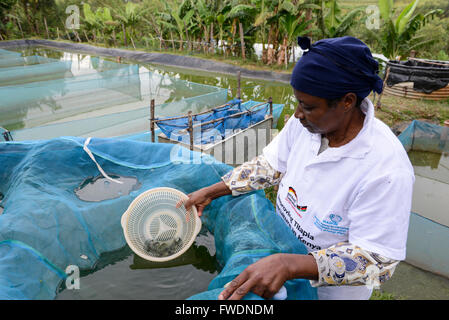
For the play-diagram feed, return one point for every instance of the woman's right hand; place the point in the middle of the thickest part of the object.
(200, 199)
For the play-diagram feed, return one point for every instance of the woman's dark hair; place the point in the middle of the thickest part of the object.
(332, 103)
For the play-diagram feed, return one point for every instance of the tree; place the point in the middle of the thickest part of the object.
(5, 7)
(238, 14)
(398, 35)
(332, 23)
(99, 22)
(130, 16)
(293, 27)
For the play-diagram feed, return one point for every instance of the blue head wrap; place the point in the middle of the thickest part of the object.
(333, 67)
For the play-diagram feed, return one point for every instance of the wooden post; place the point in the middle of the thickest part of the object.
(46, 28)
(152, 121)
(242, 40)
(77, 35)
(190, 129)
(114, 37)
(211, 38)
(85, 34)
(270, 101)
(238, 85)
(172, 42)
(124, 35)
(132, 41)
(20, 27)
(379, 104)
(57, 32)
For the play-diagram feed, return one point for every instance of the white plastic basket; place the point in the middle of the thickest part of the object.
(155, 229)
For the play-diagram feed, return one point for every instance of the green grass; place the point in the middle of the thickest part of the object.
(381, 295)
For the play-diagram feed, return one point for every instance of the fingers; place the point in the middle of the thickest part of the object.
(186, 202)
(238, 288)
(199, 210)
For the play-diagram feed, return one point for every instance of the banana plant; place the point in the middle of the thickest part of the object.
(130, 16)
(91, 20)
(333, 24)
(242, 13)
(205, 18)
(100, 22)
(398, 35)
(266, 16)
(183, 22)
(293, 27)
(293, 23)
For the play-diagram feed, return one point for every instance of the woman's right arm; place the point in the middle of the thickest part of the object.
(252, 175)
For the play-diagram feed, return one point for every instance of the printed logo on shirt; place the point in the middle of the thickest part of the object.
(303, 235)
(331, 225)
(292, 199)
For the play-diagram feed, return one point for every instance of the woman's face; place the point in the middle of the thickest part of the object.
(315, 114)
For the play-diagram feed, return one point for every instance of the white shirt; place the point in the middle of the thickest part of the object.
(360, 192)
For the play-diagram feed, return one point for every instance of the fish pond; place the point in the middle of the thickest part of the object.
(122, 274)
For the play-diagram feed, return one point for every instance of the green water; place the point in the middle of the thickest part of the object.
(124, 275)
(430, 199)
(431, 188)
(253, 89)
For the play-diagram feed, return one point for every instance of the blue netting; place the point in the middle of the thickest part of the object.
(45, 227)
(52, 98)
(6, 53)
(425, 136)
(7, 62)
(29, 73)
(203, 133)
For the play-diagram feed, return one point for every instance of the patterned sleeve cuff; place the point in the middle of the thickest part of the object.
(252, 175)
(347, 264)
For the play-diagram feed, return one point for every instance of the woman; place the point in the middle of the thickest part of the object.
(345, 181)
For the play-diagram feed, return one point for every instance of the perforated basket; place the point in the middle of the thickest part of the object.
(155, 229)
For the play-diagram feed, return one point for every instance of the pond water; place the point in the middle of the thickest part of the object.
(99, 188)
(431, 188)
(124, 275)
(156, 82)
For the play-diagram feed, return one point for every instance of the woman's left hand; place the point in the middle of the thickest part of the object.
(264, 277)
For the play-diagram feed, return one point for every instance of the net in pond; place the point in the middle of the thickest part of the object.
(19, 75)
(7, 54)
(45, 227)
(23, 61)
(46, 100)
(428, 149)
(220, 122)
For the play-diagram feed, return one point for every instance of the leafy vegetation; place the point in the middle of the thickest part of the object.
(398, 36)
(230, 28)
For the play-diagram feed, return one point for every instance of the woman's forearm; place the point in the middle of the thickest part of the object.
(252, 175)
(300, 266)
(217, 190)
